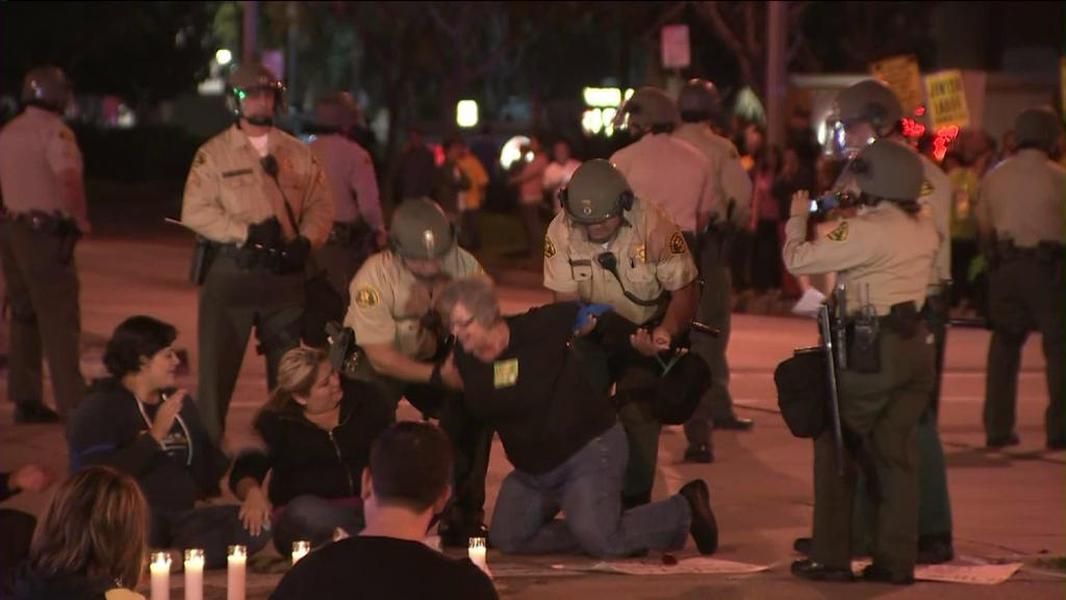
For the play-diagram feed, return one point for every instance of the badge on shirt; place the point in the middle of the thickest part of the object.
(549, 247)
(505, 373)
(927, 188)
(367, 297)
(641, 253)
(677, 243)
(840, 233)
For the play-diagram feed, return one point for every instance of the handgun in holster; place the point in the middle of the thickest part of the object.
(863, 341)
(201, 260)
(344, 354)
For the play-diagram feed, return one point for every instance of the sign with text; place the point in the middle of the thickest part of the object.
(902, 75)
(675, 47)
(947, 99)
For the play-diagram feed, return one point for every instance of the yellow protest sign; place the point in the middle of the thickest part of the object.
(902, 75)
(947, 99)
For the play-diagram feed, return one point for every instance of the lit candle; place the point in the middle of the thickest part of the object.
(299, 550)
(477, 554)
(194, 574)
(160, 569)
(235, 572)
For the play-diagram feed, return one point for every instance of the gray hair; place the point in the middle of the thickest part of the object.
(476, 293)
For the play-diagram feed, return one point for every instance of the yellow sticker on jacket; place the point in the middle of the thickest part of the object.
(549, 247)
(677, 243)
(367, 297)
(840, 233)
(505, 373)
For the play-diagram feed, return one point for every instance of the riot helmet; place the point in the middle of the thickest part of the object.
(420, 230)
(597, 191)
(46, 87)
(249, 79)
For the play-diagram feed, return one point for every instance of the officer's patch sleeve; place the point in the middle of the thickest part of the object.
(558, 276)
(369, 313)
(668, 250)
(201, 206)
(836, 246)
(62, 153)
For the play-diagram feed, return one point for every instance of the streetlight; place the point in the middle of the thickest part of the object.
(223, 57)
(466, 113)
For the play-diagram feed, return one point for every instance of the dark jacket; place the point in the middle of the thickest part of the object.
(108, 429)
(305, 459)
(30, 585)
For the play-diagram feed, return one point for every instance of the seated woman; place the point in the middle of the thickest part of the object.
(91, 543)
(317, 442)
(137, 423)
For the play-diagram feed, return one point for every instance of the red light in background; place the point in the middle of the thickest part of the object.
(944, 137)
(912, 128)
(920, 111)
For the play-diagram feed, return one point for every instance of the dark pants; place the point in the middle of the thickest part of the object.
(963, 251)
(882, 410)
(42, 288)
(232, 301)
(1025, 294)
(714, 310)
(212, 528)
(341, 259)
(635, 378)
(766, 257)
(469, 234)
(17, 528)
(530, 214)
(315, 519)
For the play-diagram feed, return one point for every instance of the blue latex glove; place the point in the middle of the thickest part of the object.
(586, 311)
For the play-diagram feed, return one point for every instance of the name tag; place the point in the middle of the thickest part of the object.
(505, 373)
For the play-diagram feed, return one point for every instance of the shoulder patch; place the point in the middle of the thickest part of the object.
(549, 247)
(367, 297)
(927, 188)
(677, 243)
(200, 158)
(66, 134)
(840, 233)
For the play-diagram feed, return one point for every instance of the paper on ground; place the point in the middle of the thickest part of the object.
(700, 565)
(948, 573)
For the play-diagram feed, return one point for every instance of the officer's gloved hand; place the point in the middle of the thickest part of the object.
(294, 254)
(266, 234)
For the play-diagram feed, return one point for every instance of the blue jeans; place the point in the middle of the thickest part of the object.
(314, 519)
(588, 489)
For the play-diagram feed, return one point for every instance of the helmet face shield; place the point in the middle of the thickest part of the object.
(255, 95)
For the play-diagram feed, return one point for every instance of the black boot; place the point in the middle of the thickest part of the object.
(704, 527)
(35, 413)
(815, 571)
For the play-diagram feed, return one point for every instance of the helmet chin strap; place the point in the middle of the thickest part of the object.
(261, 121)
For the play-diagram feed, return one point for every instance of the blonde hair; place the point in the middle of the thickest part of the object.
(97, 526)
(297, 372)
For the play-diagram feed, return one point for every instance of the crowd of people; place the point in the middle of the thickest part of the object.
(640, 255)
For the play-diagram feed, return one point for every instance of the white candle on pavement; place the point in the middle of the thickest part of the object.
(299, 550)
(160, 568)
(478, 553)
(194, 574)
(235, 572)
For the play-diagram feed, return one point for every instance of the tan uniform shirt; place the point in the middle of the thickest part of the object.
(671, 175)
(388, 300)
(651, 255)
(937, 193)
(882, 254)
(227, 189)
(732, 185)
(350, 171)
(36, 148)
(1023, 199)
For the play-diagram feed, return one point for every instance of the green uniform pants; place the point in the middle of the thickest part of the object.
(714, 310)
(882, 409)
(1025, 293)
(642, 432)
(42, 288)
(232, 301)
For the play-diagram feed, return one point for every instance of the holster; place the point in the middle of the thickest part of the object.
(52, 224)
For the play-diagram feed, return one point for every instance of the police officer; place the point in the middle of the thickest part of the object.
(1020, 217)
(883, 255)
(44, 214)
(700, 107)
(358, 227)
(610, 246)
(866, 111)
(261, 200)
(391, 314)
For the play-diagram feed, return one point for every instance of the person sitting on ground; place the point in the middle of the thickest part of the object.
(526, 377)
(406, 483)
(91, 543)
(17, 525)
(138, 423)
(317, 444)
